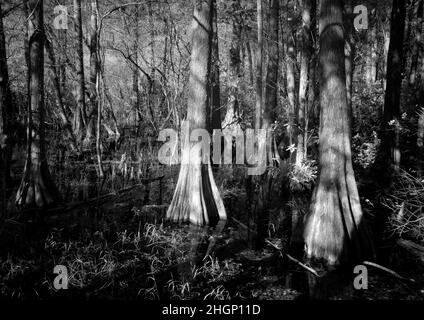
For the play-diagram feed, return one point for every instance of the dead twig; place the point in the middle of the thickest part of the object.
(393, 273)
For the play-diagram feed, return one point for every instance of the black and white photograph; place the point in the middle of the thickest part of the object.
(207, 157)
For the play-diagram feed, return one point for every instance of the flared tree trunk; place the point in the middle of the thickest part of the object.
(390, 149)
(335, 231)
(37, 188)
(80, 119)
(196, 198)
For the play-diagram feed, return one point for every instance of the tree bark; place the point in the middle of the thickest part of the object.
(305, 57)
(417, 49)
(58, 91)
(232, 112)
(7, 119)
(196, 198)
(291, 77)
(37, 187)
(390, 149)
(94, 70)
(271, 89)
(335, 231)
(259, 65)
(214, 113)
(80, 119)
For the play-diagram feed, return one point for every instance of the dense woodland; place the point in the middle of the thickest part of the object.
(332, 90)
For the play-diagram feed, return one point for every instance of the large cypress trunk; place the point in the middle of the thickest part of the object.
(196, 197)
(37, 187)
(335, 230)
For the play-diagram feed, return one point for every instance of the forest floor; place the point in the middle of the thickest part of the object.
(119, 248)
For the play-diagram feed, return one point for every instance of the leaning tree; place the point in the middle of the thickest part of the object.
(196, 198)
(335, 231)
(37, 187)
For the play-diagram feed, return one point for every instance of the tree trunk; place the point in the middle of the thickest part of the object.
(271, 89)
(259, 63)
(6, 123)
(232, 112)
(291, 77)
(371, 57)
(313, 107)
(349, 54)
(58, 91)
(390, 149)
(214, 113)
(196, 198)
(136, 90)
(335, 228)
(417, 49)
(305, 57)
(37, 187)
(94, 69)
(80, 119)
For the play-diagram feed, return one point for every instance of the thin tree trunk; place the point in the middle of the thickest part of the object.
(214, 113)
(94, 66)
(417, 49)
(390, 151)
(335, 228)
(196, 198)
(57, 88)
(37, 187)
(7, 120)
(271, 89)
(306, 45)
(259, 63)
(232, 112)
(313, 107)
(81, 112)
(136, 90)
(291, 78)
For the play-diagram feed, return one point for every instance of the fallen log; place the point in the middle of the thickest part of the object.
(413, 248)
